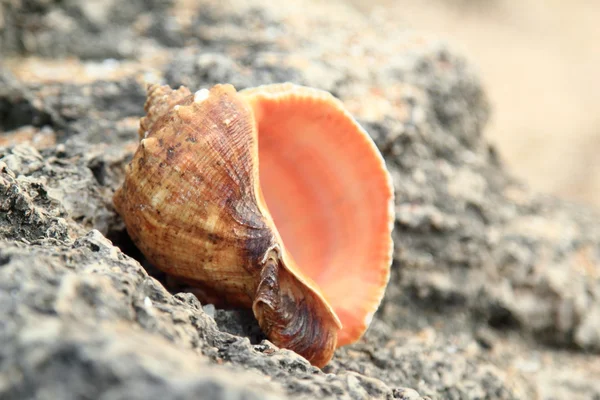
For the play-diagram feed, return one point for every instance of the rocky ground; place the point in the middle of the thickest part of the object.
(495, 291)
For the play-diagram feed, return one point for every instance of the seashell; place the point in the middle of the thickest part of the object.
(273, 198)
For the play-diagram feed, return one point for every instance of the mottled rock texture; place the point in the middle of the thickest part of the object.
(495, 291)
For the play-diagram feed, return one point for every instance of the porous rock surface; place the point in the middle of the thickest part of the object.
(495, 291)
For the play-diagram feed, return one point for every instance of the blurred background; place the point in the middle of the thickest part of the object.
(539, 61)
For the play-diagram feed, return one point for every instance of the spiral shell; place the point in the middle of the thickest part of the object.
(272, 198)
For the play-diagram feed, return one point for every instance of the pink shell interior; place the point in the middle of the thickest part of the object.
(329, 193)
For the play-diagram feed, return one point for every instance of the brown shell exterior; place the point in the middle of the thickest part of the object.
(191, 202)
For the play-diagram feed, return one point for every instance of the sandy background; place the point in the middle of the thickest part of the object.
(540, 63)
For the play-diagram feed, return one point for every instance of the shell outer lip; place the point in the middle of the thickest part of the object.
(281, 90)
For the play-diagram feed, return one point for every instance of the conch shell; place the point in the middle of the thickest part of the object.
(272, 198)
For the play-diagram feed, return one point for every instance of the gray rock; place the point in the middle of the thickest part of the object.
(488, 278)
(80, 325)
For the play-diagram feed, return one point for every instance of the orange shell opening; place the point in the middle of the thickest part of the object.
(330, 195)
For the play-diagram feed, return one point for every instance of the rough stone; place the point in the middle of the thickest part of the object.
(495, 290)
